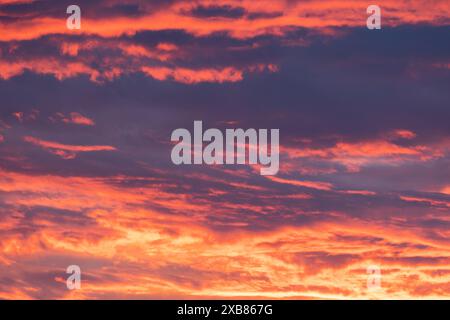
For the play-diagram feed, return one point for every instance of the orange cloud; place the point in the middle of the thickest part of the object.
(59, 69)
(301, 183)
(143, 252)
(115, 66)
(154, 237)
(257, 21)
(405, 134)
(191, 76)
(76, 118)
(446, 190)
(360, 192)
(353, 155)
(66, 151)
(430, 201)
(70, 49)
(311, 14)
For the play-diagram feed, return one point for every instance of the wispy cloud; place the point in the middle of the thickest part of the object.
(85, 170)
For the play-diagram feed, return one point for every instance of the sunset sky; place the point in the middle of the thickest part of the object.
(86, 176)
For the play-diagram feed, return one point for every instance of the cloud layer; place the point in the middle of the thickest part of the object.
(85, 170)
